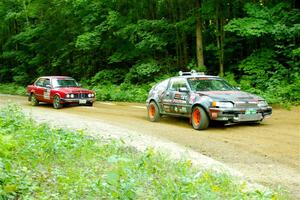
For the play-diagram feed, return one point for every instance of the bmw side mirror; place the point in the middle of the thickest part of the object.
(79, 85)
(183, 89)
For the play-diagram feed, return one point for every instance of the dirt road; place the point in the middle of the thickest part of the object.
(268, 153)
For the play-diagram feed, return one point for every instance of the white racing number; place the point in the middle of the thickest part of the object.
(47, 93)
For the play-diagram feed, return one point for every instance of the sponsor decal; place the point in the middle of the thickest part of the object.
(177, 96)
(183, 109)
(192, 98)
(176, 109)
(179, 101)
(167, 108)
(179, 109)
(47, 94)
(167, 100)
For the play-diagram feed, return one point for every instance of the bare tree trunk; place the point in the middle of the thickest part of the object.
(199, 44)
(220, 39)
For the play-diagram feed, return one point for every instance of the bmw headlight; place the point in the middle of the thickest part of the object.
(262, 103)
(222, 104)
(72, 95)
(68, 96)
(90, 95)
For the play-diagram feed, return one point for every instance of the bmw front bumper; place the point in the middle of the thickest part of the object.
(79, 101)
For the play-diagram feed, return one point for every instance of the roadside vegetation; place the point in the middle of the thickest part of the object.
(11, 88)
(40, 162)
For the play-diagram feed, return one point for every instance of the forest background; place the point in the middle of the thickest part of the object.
(121, 48)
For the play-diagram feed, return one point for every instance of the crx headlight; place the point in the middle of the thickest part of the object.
(222, 104)
(262, 103)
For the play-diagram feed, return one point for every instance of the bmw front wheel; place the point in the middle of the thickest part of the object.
(56, 102)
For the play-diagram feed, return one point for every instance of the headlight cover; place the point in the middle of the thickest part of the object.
(222, 104)
(262, 103)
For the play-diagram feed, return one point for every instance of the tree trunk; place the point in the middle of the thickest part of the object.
(199, 44)
(220, 39)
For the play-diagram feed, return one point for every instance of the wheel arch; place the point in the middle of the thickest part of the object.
(55, 94)
(153, 100)
(203, 107)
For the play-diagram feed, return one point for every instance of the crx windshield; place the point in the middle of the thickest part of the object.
(64, 83)
(208, 84)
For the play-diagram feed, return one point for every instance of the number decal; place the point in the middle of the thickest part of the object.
(47, 94)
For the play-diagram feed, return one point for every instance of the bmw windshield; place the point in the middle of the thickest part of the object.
(64, 83)
(209, 84)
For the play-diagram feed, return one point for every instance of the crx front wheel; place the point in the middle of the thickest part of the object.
(199, 118)
(153, 112)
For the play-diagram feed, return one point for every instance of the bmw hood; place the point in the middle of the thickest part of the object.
(74, 90)
(233, 95)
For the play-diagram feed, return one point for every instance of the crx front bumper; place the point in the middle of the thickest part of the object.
(240, 114)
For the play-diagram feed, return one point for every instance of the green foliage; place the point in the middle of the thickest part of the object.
(272, 67)
(108, 76)
(39, 162)
(143, 72)
(123, 92)
(138, 42)
(263, 21)
(10, 88)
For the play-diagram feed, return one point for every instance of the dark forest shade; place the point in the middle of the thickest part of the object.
(255, 41)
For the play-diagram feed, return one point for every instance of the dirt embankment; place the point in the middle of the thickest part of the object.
(268, 153)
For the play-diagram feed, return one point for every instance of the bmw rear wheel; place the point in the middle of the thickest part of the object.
(200, 119)
(153, 112)
(33, 100)
(56, 102)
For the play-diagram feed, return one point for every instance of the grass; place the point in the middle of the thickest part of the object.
(11, 88)
(39, 162)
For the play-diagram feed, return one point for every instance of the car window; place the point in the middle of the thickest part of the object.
(46, 82)
(177, 83)
(163, 85)
(40, 82)
(64, 83)
(206, 84)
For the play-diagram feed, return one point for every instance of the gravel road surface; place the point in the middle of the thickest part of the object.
(268, 153)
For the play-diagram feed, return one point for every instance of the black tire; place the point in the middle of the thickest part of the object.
(56, 102)
(89, 104)
(33, 100)
(153, 112)
(199, 118)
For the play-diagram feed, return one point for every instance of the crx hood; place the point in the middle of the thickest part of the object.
(232, 95)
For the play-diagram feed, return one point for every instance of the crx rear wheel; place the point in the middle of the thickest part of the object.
(199, 118)
(153, 112)
(56, 102)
